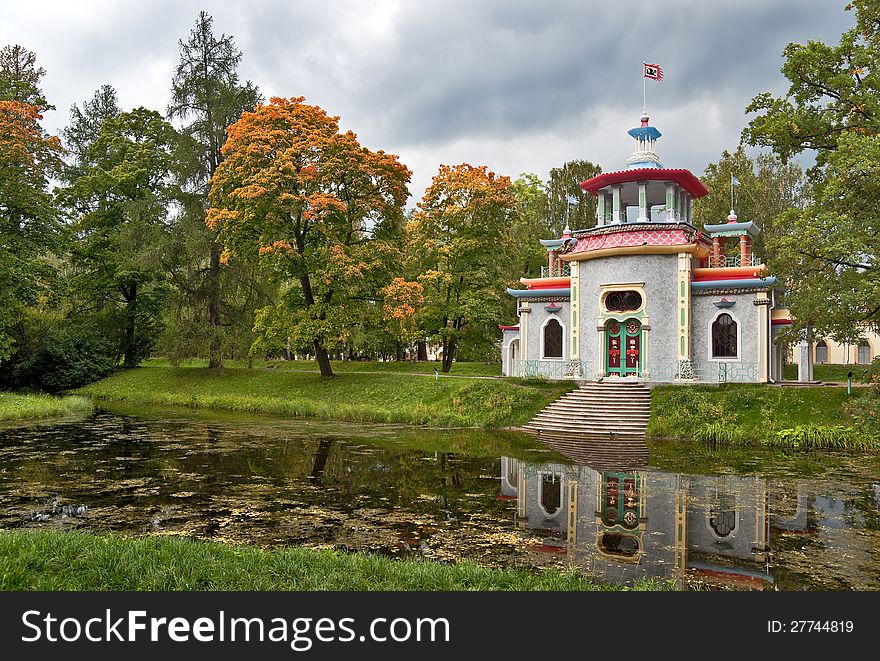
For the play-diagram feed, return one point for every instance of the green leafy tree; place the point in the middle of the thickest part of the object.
(207, 96)
(568, 204)
(830, 247)
(20, 76)
(320, 211)
(84, 128)
(462, 234)
(121, 203)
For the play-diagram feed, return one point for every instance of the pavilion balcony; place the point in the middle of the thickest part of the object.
(728, 261)
(560, 272)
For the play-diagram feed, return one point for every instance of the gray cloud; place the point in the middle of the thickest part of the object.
(519, 86)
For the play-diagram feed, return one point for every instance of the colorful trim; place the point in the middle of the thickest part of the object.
(546, 283)
(684, 178)
(729, 272)
(532, 293)
(508, 328)
(747, 284)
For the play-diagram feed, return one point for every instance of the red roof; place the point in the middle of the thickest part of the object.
(684, 178)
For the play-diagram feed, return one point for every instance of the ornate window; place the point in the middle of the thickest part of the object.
(552, 339)
(724, 337)
(623, 301)
(864, 354)
(821, 352)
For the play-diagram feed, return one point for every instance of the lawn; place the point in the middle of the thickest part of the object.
(14, 406)
(393, 398)
(52, 561)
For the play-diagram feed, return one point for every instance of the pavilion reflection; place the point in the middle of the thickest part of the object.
(612, 516)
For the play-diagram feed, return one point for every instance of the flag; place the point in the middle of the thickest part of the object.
(734, 181)
(653, 71)
(572, 199)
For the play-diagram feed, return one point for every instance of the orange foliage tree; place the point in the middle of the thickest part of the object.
(319, 209)
(460, 237)
(29, 223)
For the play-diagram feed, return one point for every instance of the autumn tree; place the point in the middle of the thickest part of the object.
(829, 248)
(29, 223)
(207, 96)
(462, 233)
(121, 205)
(313, 204)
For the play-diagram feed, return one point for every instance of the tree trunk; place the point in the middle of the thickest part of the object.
(129, 355)
(216, 353)
(397, 351)
(421, 350)
(448, 354)
(323, 359)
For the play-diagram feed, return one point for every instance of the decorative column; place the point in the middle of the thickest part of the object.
(600, 354)
(550, 261)
(717, 260)
(644, 216)
(574, 345)
(745, 250)
(572, 518)
(682, 204)
(615, 205)
(762, 302)
(521, 492)
(524, 310)
(600, 209)
(670, 202)
(805, 356)
(684, 313)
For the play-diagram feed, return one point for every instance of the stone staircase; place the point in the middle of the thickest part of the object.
(606, 408)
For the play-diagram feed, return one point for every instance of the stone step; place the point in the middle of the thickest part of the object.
(603, 409)
(586, 428)
(581, 415)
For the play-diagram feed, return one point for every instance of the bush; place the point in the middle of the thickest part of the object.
(57, 359)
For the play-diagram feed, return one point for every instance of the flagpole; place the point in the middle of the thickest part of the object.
(731, 192)
(644, 90)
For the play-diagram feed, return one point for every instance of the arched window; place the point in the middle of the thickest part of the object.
(623, 301)
(821, 352)
(551, 493)
(724, 337)
(864, 356)
(552, 339)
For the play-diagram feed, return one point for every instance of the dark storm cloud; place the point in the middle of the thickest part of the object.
(522, 86)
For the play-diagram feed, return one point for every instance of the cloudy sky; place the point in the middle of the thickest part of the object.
(519, 86)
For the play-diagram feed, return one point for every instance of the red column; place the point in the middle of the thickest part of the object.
(550, 256)
(745, 250)
(717, 252)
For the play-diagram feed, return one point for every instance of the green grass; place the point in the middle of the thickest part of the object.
(52, 561)
(758, 414)
(15, 406)
(830, 373)
(391, 398)
(403, 367)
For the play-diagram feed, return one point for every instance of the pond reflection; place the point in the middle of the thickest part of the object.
(497, 498)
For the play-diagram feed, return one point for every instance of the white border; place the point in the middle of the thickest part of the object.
(550, 317)
(709, 343)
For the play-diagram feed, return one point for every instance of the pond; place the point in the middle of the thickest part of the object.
(618, 510)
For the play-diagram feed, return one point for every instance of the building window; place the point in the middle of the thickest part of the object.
(551, 493)
(724, 340)
(553, 339)
(864, 354)
(821, 352)
(623, 301)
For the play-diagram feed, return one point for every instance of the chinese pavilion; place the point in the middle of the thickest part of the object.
(645, 294)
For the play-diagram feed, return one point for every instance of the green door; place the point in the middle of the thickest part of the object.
(623, 347)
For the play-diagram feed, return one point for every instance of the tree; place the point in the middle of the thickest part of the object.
(208, 96)
(530, 225)
(85, 127)
(29, 224)
(316, 207)
(462, 232)
(20, 76)
(767, 188)
(568, 204)
(122, 203)
(829, 247)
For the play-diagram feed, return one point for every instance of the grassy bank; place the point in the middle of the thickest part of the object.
(831, 372)
(38, 560)
(14, 406)
(402, 367)
(756, 414)
(395, 398)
